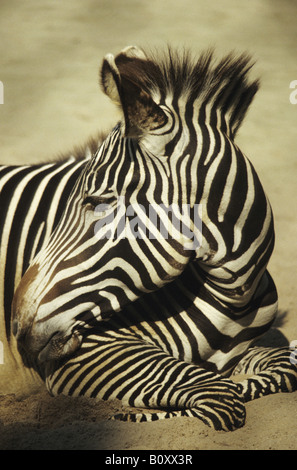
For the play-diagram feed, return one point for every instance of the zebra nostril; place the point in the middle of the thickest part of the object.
(15, 327)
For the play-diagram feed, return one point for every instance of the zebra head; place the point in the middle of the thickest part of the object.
(133, 220)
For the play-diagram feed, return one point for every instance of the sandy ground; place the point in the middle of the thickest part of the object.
(49, 57)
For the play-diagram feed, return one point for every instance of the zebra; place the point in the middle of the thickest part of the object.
(157, 322)
(32, 198)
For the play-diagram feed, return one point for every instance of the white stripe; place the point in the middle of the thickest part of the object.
(249, 200)
(227, 193)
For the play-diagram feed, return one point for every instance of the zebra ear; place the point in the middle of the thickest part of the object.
(121, 82)
(110, 79)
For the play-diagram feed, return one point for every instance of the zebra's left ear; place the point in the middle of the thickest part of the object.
(121, 82)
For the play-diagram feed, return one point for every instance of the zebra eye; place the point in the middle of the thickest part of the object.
(92, 201)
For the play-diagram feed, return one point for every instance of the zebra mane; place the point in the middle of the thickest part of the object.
(85, 150)
(224, 84)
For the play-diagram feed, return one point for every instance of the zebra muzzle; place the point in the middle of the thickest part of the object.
(57, 346)
(60, 346)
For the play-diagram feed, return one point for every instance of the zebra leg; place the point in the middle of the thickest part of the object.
(271, 370)
(142, 375)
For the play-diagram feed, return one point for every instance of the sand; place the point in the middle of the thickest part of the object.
(44, 423)
(50, 52)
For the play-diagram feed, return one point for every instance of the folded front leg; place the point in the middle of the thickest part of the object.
(142, 375)
(271, 370)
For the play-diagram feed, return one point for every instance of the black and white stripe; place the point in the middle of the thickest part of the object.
(32, 200)
(144, 318)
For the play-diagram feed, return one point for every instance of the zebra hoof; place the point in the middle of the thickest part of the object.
(220, 406)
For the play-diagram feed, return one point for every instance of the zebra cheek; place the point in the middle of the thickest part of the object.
(21, 303)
